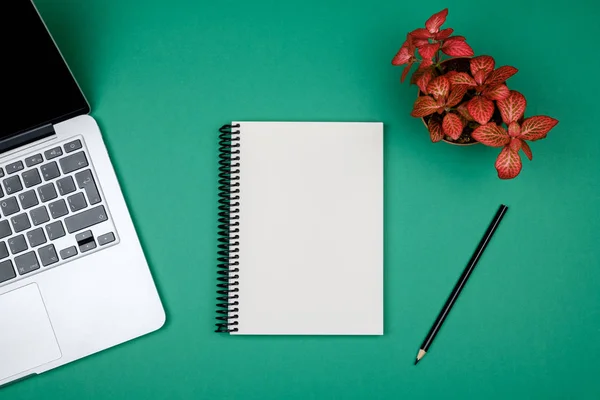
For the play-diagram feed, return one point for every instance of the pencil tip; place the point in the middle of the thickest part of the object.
(416, 361)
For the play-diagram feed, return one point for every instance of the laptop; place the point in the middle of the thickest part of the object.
(73, 278)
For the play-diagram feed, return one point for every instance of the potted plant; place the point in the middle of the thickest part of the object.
(464, 99)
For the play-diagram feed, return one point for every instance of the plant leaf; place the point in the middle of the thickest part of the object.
(439, 87)
(498, 92)
(515, 144)
(424, 105)
(409, 43)
(450, 74)
(500, 75)
(435, 130)
(418, 73)
(479, 77)
(421, 33)
(508, 163)
(456, 38)
(482, 63)
(481, 109)
(452, 125)
(420, 42)
(434, 22)
(464, 121)
(428, 50)
(514, 129)
(405, 72)
(424, 79)
(526, 149)
(402, 56)
(462, 78)
(456, 95)
(512, 107)
(443, 34)
(457, 48)
(536, 128)
(491, 135)
(464, 112)
(426, 63)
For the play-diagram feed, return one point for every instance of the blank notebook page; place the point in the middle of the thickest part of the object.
(311, 228)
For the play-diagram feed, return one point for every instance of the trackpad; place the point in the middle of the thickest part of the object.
(26, 336)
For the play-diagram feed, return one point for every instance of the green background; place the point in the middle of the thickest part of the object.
(162, 76)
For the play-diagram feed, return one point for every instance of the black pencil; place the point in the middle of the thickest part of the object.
(461, 282)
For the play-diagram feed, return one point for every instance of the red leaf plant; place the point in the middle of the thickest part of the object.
(513, 139)
(464, 99)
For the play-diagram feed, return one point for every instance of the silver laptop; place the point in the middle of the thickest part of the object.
(73, 277)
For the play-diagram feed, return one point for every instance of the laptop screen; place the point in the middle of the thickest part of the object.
(35, 83)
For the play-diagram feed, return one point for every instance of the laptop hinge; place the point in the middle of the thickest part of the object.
(24, 138)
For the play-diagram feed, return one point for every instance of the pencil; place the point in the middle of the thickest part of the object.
(461, 283)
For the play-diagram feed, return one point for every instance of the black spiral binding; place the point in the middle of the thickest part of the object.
(229, 201)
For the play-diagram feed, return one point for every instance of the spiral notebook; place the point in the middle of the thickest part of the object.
(301, 228)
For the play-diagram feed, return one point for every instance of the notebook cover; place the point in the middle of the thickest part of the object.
(310, 229)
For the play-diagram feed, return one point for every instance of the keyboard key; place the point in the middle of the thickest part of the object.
(9, 206)
(48, 255)
(55, 230)
(53, 153)
(87, 246)
(36, 237)
(39, 215)
(58, 208)
(72, 146)
(106, 238)
(17, 244)
(1, 172)
(83, 237)
(65, 185)
(7, 272)
(68, 252)
(73, 162)
(3, 250)
(47, 192)
(12, 184)
(31, 178)
(5, 230)
(50, 171)
(86, 219)
(20, 222)
(85, 181)
(77, 202)
(28, 199)
(85, 241)
(26, 263)
(34, 160)
(14, 167)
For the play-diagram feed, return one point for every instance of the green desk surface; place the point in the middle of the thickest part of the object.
(162, 76)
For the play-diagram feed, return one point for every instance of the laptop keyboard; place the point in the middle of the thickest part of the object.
(52, 211)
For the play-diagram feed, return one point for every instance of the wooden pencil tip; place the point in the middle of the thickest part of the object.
(420, 355)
